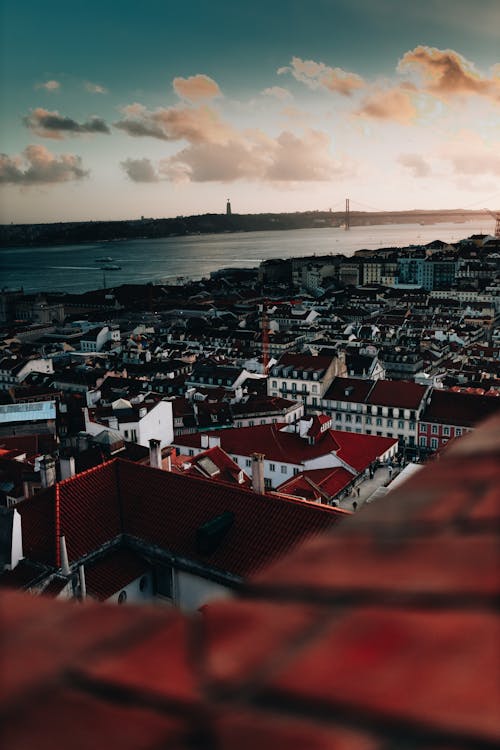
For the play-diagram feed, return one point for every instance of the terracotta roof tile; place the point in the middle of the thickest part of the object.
(112, 572)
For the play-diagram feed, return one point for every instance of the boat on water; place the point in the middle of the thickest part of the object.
(103, 260)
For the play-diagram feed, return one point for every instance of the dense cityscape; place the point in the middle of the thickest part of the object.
(250, 375)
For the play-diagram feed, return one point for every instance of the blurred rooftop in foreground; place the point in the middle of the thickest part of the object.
(381, 634)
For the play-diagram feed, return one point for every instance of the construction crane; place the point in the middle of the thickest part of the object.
(497, 222)
(265, 336)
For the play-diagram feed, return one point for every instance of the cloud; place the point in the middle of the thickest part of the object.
(445, 73)
(196, 88)
(140, 170)
(194, 124)
(94, 88)
(256, 157)
(389, 104)
(316, 75)
(416, 163)
(469, 155)
(38, 166)
(53, 125)
(278, 92)
(49, 85)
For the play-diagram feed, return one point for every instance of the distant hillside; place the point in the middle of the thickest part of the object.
(38, 235)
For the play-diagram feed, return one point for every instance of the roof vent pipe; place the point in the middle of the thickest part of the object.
(64, 556)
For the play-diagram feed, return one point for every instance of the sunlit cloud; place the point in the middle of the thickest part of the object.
(255, 156)
(389, 104)
(49, 85)
(95, 88)
(318, 75)
(445, 73)
(278, 92)
(38, 166)
(53, 125)
(194, 124)
(196, 88)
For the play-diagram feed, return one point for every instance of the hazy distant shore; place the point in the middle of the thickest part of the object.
(64, 233)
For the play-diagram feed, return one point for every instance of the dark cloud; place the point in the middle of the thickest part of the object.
(38, 166)
(53, 125)
(140, 170)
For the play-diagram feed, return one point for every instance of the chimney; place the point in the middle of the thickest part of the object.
(168, 459)
(47, 471)
(258, 473)
(83, 585)
(67, 466)
(155, 453)
(64, 556)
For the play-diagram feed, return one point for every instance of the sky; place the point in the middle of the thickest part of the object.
(166, 108)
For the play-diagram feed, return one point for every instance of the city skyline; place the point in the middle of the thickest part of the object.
(281, 107)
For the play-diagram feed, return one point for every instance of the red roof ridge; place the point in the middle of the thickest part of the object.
(84, 473)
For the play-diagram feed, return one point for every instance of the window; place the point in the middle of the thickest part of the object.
(423, 427)
(379, 423)
(314, 388)
(348, 418)
(248, 462)
(274, 384)
(423, 442)
(446, 431)
(133, 436)
(164, 581)
(125, 434)
(314, 401)
(191, 452)
(389, 423)
(267, 484)
(434, 429)
(122, 597)
(458, 431)
(272, 467)
(295, 471)
(358, 419)
(338, 417)
(283, 470)
(434, 443)
(401, 425)
(368, 420)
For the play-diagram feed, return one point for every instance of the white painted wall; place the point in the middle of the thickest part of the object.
(192, 592)
(134, 593)
(158, 424)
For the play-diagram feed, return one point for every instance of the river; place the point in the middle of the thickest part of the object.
(73, 268)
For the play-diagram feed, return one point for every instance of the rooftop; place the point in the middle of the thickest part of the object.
(382, 635)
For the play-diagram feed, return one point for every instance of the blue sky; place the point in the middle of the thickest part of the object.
(116, 110)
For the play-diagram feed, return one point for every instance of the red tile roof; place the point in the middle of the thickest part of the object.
(112, 572)
(330, 481)
(399, 393)
(461, 409)
(355, 449)
(165, 509)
